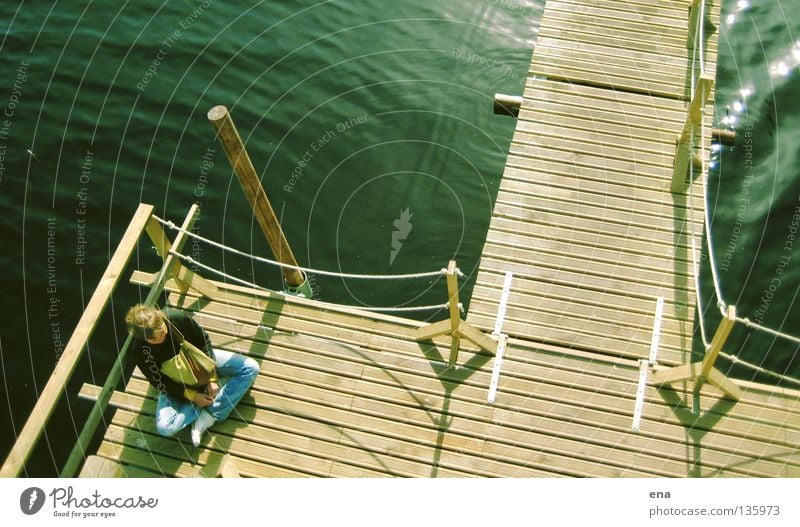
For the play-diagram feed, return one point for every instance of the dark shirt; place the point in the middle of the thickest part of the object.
(149, 357)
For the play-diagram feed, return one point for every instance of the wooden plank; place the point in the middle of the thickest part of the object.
(547, 230)
(573, 67)
(626, 104)
(100, 467)
(523, 142)
(598, 52)
(557, 247)
(552, 120)
(166, 466)
(671, 13)
(616, 13)
(417, 370)
(657, 203)
(578, 30)
(540, 293)
(521, 307)
(590, 267)
(40, 415)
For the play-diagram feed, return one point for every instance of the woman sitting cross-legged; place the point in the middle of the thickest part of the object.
(176, 356)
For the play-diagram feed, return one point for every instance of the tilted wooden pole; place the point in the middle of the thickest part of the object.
(251, 185)
(714, 349)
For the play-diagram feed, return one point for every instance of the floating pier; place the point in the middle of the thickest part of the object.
(586, 290)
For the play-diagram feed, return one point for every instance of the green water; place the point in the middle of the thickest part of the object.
(371, 126)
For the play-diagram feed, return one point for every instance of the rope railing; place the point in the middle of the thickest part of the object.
(429, 274)
(736, 360)
(697, 59)
(240, 281)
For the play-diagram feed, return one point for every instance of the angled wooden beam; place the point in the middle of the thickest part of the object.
(236, 152)
(704, 371)
(720, 336)
(218, 467)
(478, 337)
(30, 433)
(434, 330)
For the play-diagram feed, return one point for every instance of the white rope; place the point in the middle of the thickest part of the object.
(737, 360)
(750, 324)
(227, 276)
(690, 229)
(697, 57)
(699, 33)
(430, 274)
(711, 259)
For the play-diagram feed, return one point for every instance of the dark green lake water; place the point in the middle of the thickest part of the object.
(353, 112)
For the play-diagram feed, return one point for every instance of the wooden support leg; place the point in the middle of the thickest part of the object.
(704, 371)
(185, 278)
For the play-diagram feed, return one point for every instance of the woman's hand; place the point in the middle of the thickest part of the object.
(203, 399)
(212, 389)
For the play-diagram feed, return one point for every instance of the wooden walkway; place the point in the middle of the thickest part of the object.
(584, 218)
(348, 394)
(587, 225)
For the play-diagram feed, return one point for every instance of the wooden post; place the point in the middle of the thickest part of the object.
(720, 336)
(184, 277)
(691, 129)
(507, 104)
(454, 326)
(704, 371)
(30, 433)
(248, 179)
(455, 314)
(168, 269)
(722, 136)
(694, 21)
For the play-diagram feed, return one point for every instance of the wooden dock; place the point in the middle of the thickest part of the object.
(587, 224)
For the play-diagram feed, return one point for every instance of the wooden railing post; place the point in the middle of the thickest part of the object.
(184, 277)
(455, 314)
(454, 326)
(720, 336)
(704, 371)
(684, 151)
(43, 409)
(694, 20)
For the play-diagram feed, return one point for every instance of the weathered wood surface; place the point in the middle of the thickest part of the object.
(584, 216)
(358, 397)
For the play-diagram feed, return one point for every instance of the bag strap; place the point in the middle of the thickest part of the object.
(176, 330)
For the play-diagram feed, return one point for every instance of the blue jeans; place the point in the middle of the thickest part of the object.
(174, 414)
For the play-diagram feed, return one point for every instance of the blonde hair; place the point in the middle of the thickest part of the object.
(142, 321)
